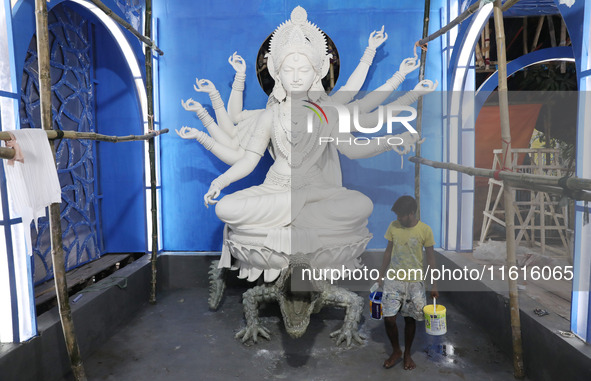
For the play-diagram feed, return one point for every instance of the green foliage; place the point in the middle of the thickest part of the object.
(547, 77)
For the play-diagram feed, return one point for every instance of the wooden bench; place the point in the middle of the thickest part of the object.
(80, 275)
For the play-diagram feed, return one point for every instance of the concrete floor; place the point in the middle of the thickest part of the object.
(180, 339)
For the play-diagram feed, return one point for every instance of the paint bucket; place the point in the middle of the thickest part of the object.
(435, 319)
(375, 305)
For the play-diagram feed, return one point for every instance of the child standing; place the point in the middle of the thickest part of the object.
(403, 287)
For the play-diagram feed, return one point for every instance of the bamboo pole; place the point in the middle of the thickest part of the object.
(54, 134)
(562, 43)
(487, 45)
(525, 35)
(151, 149)
(57, 253)
(419, 125)
(549, 184)
(551, 31)
(537, 35)
(458, 20)
(484, 49)
(508, 4)
(8, 153)
(146, 40)
(518, 370)
(479, 57)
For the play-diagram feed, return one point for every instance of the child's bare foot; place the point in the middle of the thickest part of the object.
(393, 359)
(408, 363)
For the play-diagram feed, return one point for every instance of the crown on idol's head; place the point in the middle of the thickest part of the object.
(298, 35)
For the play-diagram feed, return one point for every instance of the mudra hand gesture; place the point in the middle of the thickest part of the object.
(237, 63)
(377, 38)
(191, 105)
(204, 86)
(188, 133)
(409, 65)
(426, 86)
(408, 143)
(212, 194)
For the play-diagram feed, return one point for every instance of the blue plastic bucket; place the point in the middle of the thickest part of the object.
(375, 305)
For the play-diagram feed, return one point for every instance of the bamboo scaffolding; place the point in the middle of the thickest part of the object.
(538, 203)
(151, 149)
(551, 31)
(57, 252)
(8, 153)
(508, 4)
(571, 186)
(146, 40)
(525, 35)
(562, 43)
(54, 134)
(479, 56)
(537, 35)
(419, 125)
(518, 369)
(458, 20)
(506, 140)
(487, 45)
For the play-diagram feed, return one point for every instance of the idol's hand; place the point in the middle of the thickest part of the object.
(191, 105)
(188, 133)
(425, 87)
(212, 194)
(204, 86)
(409, 65)
(237, 63)
(408, 143)
(377, 38)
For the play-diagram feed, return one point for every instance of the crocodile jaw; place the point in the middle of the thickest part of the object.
(296, 311)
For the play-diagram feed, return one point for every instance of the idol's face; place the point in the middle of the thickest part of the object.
(297, 73)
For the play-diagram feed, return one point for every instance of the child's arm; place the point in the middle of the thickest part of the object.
(385, 263)
(430, 253)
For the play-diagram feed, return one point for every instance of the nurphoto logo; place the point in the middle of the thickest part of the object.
(351, 119)
(316, 112)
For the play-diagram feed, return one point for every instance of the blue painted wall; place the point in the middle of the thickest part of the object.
(198, 38)
(121, 165)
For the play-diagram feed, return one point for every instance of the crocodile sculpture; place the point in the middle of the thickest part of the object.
(297, 306)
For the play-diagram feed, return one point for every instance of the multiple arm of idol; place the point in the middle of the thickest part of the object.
(230, 131)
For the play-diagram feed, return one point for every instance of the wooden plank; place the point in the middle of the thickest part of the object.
(46, 291)
(560, 288)
(556, 301)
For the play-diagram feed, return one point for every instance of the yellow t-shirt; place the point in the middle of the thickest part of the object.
(407, 247)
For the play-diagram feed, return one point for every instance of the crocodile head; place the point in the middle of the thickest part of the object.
(296, 303)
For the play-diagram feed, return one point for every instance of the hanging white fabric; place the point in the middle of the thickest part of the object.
(32, 178)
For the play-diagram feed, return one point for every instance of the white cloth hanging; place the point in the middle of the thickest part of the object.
(33, 184)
